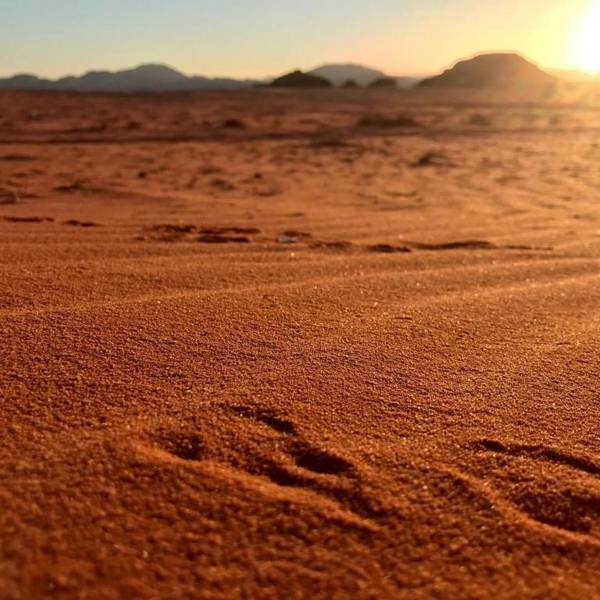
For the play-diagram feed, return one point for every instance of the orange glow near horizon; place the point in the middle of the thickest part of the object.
(585, 45)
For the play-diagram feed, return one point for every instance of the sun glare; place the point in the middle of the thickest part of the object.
(585, 47)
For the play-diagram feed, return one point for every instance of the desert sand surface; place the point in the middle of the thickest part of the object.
(330, 344)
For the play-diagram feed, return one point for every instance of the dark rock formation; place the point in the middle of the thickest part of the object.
(509, 71)
(298, 79)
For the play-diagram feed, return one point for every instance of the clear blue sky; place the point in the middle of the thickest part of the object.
(256, 38)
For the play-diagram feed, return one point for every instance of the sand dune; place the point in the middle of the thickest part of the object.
(294, 358)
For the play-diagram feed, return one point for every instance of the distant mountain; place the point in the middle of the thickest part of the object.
(340, 74)
(507, 71)
(25, 82)
(145, 78)
(298, 79)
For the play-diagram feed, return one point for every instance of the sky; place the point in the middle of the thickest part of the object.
(260, 38)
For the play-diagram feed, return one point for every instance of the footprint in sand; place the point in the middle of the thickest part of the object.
(254, 444)
(568, 500)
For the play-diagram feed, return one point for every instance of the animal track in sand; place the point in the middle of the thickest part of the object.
(259, 446)
(567, 512)
(539, 452)
(570, 510)
(320, 461)
(305, 455)
(269, 418)
(299, 453)
(570, 503)
(186, 447)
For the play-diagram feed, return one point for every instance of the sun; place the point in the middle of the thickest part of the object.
(585, 45)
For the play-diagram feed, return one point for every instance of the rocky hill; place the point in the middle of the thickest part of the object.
(492, 71)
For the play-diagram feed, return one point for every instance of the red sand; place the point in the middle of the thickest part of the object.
(393, 416)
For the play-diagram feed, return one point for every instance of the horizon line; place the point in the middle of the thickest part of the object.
(308, 70)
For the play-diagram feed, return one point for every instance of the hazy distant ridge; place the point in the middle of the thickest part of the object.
(145, 78)
(339, 74)
(495, 70)
(159, 78)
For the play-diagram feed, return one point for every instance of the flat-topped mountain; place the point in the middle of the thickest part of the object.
(145, 78)
(141, 78)
(492, 71)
